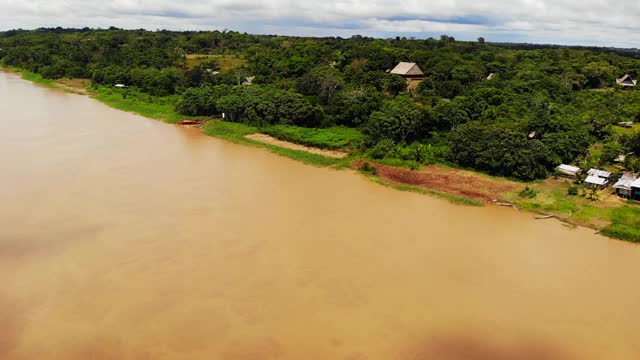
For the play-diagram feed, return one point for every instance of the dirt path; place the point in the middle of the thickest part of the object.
(263, 138)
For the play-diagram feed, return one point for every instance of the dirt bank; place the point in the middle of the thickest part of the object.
(452, 181)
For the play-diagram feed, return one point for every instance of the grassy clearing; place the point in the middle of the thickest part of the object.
(131, 100)
(449, 197)
(235, 132)
(226, 62)
(333, 138)
(625, 224)
(616, 218)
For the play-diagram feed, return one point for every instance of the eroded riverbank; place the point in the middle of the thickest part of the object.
(126, 238)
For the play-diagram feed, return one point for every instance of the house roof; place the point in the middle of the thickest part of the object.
(573, 169)
(595, 180)
(599, 173)
(407, 68)
(636, 184)
(491, 76)
(626, 80)
(625, 181)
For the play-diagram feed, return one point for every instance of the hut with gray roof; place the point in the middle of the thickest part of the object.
(623, 186)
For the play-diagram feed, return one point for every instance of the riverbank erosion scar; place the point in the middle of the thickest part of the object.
(462, 183)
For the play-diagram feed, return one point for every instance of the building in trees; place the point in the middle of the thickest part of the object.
(568, 170)
(626, 80)
(408, 70)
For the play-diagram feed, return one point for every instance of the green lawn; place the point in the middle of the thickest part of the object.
(160, 108)
(625, 224)
(337, 137)
(235, 132)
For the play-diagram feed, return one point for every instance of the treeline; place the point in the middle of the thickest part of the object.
(542, 106)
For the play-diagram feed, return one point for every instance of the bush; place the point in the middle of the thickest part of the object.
(528, 193)
(383, 149)
(573, 190)
(368, 168)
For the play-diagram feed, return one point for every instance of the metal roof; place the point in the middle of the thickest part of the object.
(595, 180)
(636, 184)
(570, 168)
(599, 173)
(625, 181)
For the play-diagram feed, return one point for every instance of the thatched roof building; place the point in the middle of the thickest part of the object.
(626, 80)
(408, 70)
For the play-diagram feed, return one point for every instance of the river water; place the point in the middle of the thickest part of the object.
(126, 238)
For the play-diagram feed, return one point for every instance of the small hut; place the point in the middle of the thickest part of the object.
(599, 173)
(623, 186)
(491, 76)
(408, 70)
(568, 170)
(595, 182)
(626, 80)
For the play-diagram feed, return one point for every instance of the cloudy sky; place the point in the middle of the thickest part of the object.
(581, 22)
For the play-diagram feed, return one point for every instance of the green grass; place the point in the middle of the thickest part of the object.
(450, 197)
(38, 79)
(159, 108)
(624, 221)
(235, 132)
(625, 224)
(33, 77)
(337, 137)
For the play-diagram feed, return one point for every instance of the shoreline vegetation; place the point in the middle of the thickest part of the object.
(472, 121)
(612, 217)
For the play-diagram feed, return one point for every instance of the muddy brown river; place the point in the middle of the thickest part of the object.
(126, 238)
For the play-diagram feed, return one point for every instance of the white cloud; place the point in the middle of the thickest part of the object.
(550, 21)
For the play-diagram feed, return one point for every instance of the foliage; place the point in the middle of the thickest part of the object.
(236, 133)
(398, 120)
(528, 193)
(500, 151)
(573, 190)
(368, 168)
(337, 137)
(566, 98)
(161, 108)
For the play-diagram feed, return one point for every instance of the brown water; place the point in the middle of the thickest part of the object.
(125, 238)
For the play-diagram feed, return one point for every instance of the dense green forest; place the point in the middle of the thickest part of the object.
(542, 106)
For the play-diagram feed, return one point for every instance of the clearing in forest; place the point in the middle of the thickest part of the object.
(226, 62)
